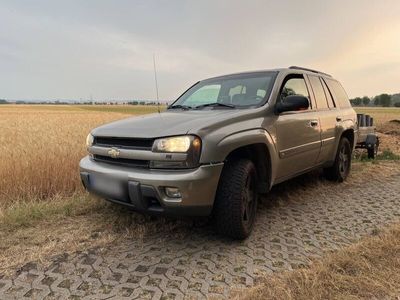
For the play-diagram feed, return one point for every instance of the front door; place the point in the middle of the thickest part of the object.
(297, 132)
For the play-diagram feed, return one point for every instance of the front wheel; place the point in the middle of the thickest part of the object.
(341, 167)
(236, 200)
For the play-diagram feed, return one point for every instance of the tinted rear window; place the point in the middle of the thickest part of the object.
(331, 103)
(319, 93)
(338, 93)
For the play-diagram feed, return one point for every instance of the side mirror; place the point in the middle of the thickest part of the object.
(292, 103)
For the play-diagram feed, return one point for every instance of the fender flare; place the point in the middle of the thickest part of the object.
(246, 138)
(344, 126)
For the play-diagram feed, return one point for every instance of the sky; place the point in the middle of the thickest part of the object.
(102, 49)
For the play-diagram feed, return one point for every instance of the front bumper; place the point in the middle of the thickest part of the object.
(143, 189)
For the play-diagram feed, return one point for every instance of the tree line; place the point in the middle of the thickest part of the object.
(384, 100)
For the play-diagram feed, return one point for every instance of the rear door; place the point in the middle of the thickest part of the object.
(298, 132)
(327, 113)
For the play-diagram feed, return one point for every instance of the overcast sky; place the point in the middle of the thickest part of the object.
(74, 49)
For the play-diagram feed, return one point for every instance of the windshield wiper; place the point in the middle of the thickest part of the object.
(184, 107)
(215, 104)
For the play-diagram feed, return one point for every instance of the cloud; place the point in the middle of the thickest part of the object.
(72, 49)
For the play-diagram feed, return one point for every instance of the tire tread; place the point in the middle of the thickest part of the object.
(227, 208)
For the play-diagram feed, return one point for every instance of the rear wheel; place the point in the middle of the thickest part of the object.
(341, 167)
(236, 200)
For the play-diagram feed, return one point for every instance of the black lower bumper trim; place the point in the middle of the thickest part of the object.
(145, 199)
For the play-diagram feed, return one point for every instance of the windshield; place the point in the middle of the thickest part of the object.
(243, 90)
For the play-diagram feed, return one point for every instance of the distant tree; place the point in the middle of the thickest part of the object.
(377, 100)
(397, 104)
(385, 100)
(366, 100)
(395, 98)
(3, 101)
(356, 101)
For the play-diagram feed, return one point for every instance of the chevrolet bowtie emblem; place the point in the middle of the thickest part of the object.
(113, 152)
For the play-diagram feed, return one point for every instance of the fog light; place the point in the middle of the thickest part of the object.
(173, 192)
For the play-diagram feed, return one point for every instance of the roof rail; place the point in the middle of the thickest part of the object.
(310, 70)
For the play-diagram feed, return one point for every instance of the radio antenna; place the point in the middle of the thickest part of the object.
(155, 79)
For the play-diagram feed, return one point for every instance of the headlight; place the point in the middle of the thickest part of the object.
(189, 144)
(89, 140)
(180, 144)
(173, 144)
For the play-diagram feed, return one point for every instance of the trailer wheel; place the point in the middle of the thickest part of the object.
(373, 151)
(372, 144)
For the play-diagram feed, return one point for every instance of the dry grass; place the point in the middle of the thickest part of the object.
(368, 269)
(381, 115)
(387, 123)
(41, 147)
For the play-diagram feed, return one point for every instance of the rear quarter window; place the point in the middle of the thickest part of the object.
(338, 93)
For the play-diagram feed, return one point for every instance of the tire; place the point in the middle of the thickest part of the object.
(341, 167)
(236, 199)
(371, 152)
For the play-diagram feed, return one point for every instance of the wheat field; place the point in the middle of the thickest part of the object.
(41, 147)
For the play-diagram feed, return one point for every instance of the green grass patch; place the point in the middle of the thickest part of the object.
(386, 154)
(25, 213)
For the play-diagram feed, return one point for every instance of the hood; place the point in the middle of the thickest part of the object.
(166, 123)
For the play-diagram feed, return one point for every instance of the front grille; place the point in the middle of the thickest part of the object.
(135, 163)
(126, 143)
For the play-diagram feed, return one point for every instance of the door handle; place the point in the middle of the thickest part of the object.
(338, 119)
(313, 123)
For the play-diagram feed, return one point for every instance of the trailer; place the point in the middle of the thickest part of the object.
(367, 137)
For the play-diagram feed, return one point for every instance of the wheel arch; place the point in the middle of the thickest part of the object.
(257, 146)
(349, 134)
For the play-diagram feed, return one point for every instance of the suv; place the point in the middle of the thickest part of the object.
(223, 142)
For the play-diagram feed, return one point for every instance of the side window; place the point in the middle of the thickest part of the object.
(294, 86)
(338, 93)
(205, 94)
(318, 91)
(331, 103)
(328, 95)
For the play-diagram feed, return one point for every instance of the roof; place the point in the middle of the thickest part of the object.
(291, 68)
